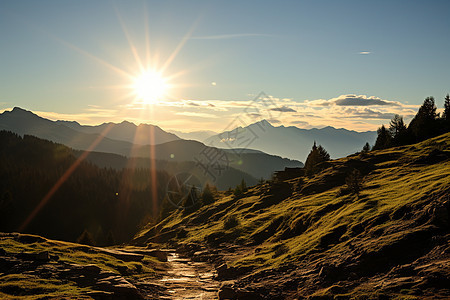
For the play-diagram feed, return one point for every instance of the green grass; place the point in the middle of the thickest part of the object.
(394, 180)
(27, 286)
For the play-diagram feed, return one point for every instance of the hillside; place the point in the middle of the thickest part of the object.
(118, 139)
(313, 238)
(43, 184)
(292, 142)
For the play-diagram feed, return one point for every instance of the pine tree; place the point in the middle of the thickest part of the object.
(383, 139)
(354, 181)
(366, 147)
(86, 238)
(446, 113)
(424, 126)
(316, 156)
(398, 130)
(207, 195)
(243, 185)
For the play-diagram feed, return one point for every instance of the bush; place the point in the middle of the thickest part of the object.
(230, 222)
(280, 250)
(86, 238)
(354, 182)
(207, 195)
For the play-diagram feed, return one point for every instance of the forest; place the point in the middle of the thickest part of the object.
(45, 189)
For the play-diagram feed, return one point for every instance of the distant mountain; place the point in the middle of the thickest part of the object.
(144, 134)
(23, 122)
(200, 136)
(254, 163)
(291, 141)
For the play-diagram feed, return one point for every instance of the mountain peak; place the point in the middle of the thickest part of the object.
(20, 111)
(17, 109)
(262, 123)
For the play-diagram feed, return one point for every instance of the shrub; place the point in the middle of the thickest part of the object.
(230, 222)
(354, 182)
(86, 238)
(207, 195)
(280, 250)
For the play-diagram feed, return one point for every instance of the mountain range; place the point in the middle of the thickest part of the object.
(112, 138)
(291, 141)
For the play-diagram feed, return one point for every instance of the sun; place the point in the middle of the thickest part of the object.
(150, 86)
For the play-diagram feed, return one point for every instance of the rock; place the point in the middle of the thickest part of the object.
(201, 256)
(225, 272)
(440, 216)
(125, 256)
(121, 288)
(36, 256)
(227, 291)
(100, 295)
(243, 294)
(29, 239)
(159, 254)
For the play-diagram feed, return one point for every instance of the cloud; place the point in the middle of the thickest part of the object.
(353, 100)
(196, 114)
(274, 121)
(254, 115)
(228, 36)
(367, 113)
(365, 52)
(283, 108)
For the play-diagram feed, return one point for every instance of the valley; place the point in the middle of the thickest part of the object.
(299, 238)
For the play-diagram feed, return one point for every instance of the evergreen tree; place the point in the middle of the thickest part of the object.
(354, 181)
(383, 139)
(243, 185)
(366, 147)
(446, 113)
(424, 124)
(86, 238)
(316, 156)
(398, 131)
(207, 195)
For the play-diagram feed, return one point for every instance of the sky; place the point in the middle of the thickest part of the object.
(346, 64)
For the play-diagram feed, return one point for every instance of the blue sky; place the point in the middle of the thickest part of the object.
(66, 59)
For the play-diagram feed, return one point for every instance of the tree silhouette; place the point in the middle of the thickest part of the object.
(86, 238)
(446, 113)
(366, 147)
(398, 130)
(354, 182)
(316, 156)
(423, 125)
(383, 139)
(207, 195)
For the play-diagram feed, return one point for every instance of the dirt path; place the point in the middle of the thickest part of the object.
(189, 280)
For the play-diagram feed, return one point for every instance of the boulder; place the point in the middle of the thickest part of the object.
(227, 291)
(35, 256)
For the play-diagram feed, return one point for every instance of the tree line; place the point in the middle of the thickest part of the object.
(427, 123)
(109, 205)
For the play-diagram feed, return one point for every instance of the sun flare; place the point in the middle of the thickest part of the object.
(150, 86)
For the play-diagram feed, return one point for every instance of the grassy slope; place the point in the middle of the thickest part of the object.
(313, 224)
(15, 284)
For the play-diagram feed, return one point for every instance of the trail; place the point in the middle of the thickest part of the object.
(189, 280)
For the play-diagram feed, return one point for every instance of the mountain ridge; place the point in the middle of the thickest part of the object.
(291, 141)
(254, 163)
